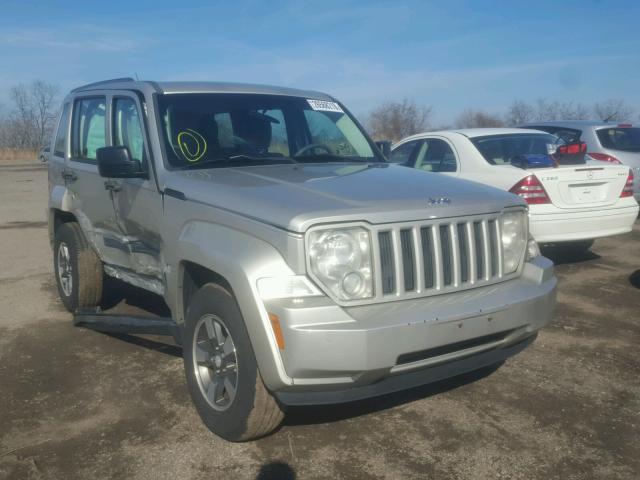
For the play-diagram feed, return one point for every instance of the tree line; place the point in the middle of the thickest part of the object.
(396, 120)
(29, 119)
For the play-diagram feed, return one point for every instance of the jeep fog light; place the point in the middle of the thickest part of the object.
(340, 259)
(294, 286)
(514, 239)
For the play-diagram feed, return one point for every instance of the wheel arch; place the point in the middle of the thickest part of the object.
(56, 218)
(215, 253)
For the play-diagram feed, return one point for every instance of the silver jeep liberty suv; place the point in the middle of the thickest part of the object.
(300, 268)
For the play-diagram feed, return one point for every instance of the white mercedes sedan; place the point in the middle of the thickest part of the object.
(571, 198)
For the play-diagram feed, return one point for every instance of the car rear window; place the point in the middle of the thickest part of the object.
(626, 139)
(517, 148)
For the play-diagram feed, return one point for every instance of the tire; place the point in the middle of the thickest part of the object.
(75, 260)
(249, 413)
(581, 246)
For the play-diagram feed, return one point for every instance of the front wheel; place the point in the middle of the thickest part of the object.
(77, 268)
(221, 369)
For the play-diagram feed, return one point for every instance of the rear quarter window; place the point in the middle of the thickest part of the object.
(626, 139)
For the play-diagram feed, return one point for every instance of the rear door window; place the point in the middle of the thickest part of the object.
(626, 139)
(60, 146)
(436, 155)
(404, 153)
(88, 133)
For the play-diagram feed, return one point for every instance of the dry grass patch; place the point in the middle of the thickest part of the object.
(19, 155)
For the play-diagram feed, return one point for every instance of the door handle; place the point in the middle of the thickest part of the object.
(69, 175)
(112, 185)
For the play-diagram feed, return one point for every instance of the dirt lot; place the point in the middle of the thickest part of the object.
(80, 404)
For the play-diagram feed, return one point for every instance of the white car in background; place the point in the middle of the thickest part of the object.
(608, 142)
(570, 199)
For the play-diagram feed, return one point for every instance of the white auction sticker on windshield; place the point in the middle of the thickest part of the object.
(323, 105)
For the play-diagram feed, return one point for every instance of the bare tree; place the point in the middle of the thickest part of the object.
(396, 120)
(44, 99)
(615, 110)
(478, 119)
(32, 118)
(546, 111)
(571, 111)
(519, 112)
(21, 118)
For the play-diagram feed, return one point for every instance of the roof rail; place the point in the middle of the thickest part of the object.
(103, 82)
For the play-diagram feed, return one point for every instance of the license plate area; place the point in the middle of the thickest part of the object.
(593, 192)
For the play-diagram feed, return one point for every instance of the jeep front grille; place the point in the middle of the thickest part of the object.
(428, 258)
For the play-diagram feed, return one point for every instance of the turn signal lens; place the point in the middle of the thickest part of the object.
(277, 330)
(627, 191)
(531, 190)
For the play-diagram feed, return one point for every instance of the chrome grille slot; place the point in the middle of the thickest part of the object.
(493, 247)
(408, 259)
(447, 256)
(416, 259)
(387, 263)
(479, 244)
(428, 256)
(463, 245)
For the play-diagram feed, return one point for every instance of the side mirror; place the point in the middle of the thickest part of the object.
(116, 162)
(384, 146)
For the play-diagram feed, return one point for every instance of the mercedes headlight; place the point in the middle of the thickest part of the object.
(514, 239)
(340, 259)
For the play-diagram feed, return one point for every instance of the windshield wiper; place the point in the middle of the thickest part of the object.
(242, 156)
(335, 158)
(247, 160)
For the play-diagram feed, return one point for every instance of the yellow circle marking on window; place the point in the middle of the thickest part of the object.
(195, 138)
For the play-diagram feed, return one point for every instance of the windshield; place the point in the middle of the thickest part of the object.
(209, 130)
(513, 148)
(620, 138)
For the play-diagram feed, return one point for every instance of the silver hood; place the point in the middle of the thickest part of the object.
(294, 197)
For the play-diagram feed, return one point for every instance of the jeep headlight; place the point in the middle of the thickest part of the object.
(340, 259)
(514, 239)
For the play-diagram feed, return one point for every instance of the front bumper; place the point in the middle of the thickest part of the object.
(574, 226)
(338, 354)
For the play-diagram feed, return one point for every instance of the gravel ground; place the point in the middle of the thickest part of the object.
(76, 404)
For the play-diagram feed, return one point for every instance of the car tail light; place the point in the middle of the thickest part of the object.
(627, 191)
(572, 149)
(531, 190)
(603, 157)
(624, 125)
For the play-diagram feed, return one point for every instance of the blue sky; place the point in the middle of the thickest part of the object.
(451, 55)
